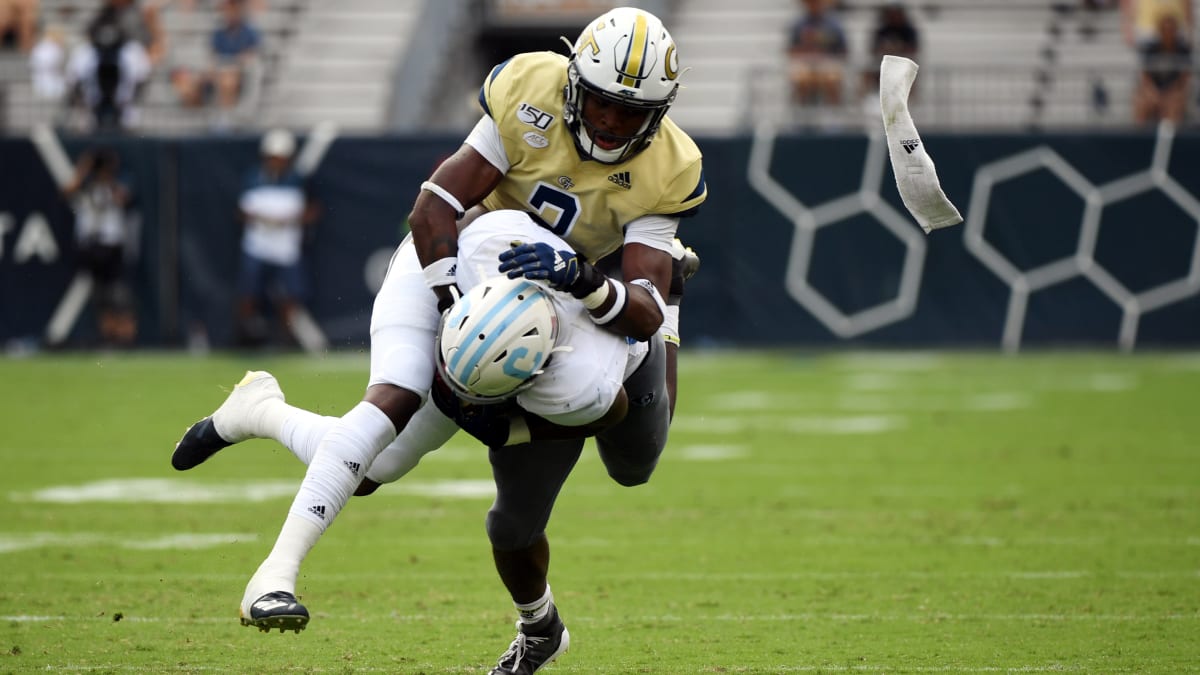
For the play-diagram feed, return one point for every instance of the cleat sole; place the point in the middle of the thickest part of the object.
(283, 623)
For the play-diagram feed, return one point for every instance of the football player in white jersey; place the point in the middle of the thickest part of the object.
(584, 143)
(597, 383)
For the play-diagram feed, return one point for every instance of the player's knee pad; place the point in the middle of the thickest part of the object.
(507, 532)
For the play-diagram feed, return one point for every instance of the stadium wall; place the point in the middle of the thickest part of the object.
(1068, 240)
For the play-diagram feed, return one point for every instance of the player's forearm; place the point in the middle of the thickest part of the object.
(638, 316)
(435, 234)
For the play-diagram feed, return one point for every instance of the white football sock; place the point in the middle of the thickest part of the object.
(533, 612)
(427, 431)
(336, 470)
(281, 568)
(343, 457)
(302, 431)
(270, 416)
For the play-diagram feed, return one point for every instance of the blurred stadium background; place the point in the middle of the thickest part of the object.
(1081, 226)
(860, 479)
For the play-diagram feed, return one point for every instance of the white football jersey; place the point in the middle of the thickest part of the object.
(584, 375)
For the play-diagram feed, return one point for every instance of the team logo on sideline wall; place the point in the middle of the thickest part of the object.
(534, 117)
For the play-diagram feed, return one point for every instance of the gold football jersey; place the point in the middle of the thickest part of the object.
(585, 202)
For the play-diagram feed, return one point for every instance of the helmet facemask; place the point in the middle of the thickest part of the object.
(578, 90)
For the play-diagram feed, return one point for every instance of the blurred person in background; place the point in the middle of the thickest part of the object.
(1164, 76)
(277, 214)
(582, 141)
(48, 62)
(894, 35)
(817, 55)
(106, 239)
(107, 71)
(18, 24)
(1140, 20)
(233, 52)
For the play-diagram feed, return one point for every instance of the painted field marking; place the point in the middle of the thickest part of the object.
(10, 543)
(816, 424)
(176, 491)
(711, 453)
(893, 361)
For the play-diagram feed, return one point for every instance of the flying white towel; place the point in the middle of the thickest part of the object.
(916, 177)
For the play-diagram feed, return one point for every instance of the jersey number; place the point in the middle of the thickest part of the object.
(557, 208)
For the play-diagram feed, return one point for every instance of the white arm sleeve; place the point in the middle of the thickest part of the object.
(916, 177)
(653, 231)
(485, 138)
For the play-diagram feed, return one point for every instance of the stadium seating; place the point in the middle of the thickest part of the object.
(985, 64)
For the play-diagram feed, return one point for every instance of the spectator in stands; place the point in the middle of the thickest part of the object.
(1140, 19)
(106, 237)
(18, 24)
(278, 213)
(1165, 75)
(817, 55)
(107, 71)
(894, 35)
(47, 64)
(234, 51)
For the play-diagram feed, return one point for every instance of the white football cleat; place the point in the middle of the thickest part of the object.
(235, 421)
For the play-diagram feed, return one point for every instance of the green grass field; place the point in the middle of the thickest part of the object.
(878, 513)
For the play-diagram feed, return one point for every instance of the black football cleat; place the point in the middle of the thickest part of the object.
(199, 442)
(279, 609)
(534, 647)
(235, 419)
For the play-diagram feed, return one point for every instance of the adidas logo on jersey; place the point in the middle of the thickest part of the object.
(621, 178)
(353, 466)
(910, 144)
(318, 511)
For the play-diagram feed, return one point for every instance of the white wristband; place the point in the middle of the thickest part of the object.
(441, 272)
(597, 297)
(617, 307)
(438, 190)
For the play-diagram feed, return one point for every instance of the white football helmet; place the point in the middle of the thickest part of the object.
(627, 57)
(496, 339)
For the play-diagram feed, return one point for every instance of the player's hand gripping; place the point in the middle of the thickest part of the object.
(563, 270)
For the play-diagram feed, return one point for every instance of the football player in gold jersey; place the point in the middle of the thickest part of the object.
(582, 142)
